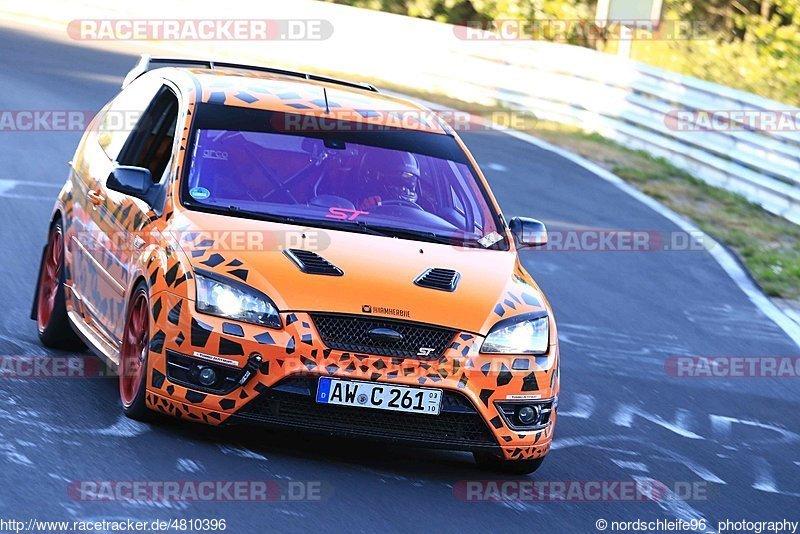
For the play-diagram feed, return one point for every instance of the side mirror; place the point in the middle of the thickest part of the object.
(132, 181)
(528, 232)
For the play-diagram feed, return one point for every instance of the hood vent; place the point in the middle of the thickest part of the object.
(441, 279)
(312, 263)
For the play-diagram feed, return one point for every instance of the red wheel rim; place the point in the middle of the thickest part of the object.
(135, 342)
(50, 278)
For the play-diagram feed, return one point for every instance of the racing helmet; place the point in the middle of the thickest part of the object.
(392, 174)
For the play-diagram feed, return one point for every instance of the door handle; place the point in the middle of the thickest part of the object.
(95, 197)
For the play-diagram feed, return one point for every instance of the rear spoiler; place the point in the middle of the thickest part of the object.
(147, 63)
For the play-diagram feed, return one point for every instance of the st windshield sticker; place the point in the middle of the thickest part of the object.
(490, 239)
(344, 214)
(199, 193)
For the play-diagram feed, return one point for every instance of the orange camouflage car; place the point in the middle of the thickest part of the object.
(245, 244)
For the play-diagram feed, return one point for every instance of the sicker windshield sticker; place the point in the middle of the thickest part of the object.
(199, 193)
(490, 239)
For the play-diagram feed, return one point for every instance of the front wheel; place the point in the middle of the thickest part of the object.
(51, 308)
(492, 462)
(133, 356)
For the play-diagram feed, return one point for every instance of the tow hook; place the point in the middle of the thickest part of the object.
(253, 364)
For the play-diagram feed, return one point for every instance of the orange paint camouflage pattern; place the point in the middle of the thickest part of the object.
(167, 266)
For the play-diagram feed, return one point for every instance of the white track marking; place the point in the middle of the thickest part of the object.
(626, 413)
(496, 167)
(633, 466)
(187, 465)
(123, 428)
(583, 407)
(765, 477)
(241, 452)
(675, 506)
(7, 187)
(13, 455)
(722, 427)
(27, 197)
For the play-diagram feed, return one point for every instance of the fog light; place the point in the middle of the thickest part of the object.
(525, 416)
(207, 376)
(528, 415)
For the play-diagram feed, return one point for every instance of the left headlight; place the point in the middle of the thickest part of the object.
(528, 333)
(228, 298)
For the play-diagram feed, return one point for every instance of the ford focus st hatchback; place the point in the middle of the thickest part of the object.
(249, 245)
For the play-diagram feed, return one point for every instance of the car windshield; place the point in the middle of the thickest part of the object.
(320, 181)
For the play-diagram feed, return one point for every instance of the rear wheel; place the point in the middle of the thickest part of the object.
(51, 309)
(492, 462)
(133, 356)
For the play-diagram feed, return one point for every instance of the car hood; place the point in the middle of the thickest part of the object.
(379, 272)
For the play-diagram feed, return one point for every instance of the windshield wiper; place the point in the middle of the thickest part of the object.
(319, 223)
(258, 214)
(420, 234)
(358, 226)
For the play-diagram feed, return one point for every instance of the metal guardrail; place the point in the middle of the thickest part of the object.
(630, 103)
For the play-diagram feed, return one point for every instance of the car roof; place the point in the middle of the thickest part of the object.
(291, 94)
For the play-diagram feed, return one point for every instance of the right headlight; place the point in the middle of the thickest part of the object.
(223, 297)
(528, 333)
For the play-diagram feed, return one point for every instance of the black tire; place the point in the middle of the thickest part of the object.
(137, 409)
(56, 333)
(492, 462)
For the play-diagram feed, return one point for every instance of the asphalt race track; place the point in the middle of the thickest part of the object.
(620, 316)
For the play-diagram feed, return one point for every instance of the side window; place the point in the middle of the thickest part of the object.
(150, 143)
(123, 113)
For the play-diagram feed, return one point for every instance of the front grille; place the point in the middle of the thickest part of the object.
(352, 333)
(292, 403)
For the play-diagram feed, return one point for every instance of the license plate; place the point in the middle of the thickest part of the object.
(379, 396)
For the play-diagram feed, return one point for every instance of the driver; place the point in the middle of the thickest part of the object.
(389, 175)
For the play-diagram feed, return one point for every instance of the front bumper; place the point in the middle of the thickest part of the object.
(281, 390)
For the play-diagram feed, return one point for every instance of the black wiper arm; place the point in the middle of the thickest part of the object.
(405, 232)
(358, 226)
(260, 215)
(318, 223)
